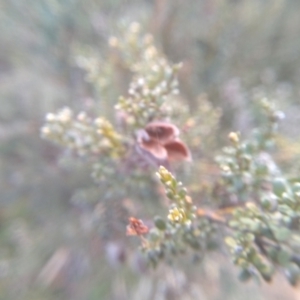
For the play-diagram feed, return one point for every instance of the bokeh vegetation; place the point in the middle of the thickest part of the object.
(63, 234)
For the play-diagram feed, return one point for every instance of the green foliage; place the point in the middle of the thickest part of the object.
(182, 231)
(63, 235)
(262, 219)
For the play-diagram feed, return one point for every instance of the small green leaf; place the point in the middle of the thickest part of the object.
(282, 234)
(160, 223)
(272, 253)
(245, 275)
(292, 274)
(296, 187)
(266, 273)
(154, 234)
(249, 237)
(283, 257)
(233, 223)
(280, 186)
(182, 193)
(230, 241)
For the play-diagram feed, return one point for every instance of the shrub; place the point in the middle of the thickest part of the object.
(249, 208)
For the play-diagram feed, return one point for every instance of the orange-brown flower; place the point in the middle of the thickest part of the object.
(177, 151)
(162, 132)
(160, 139)
(136, 227)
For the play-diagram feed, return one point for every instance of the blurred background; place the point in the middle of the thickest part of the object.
(231, 50)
